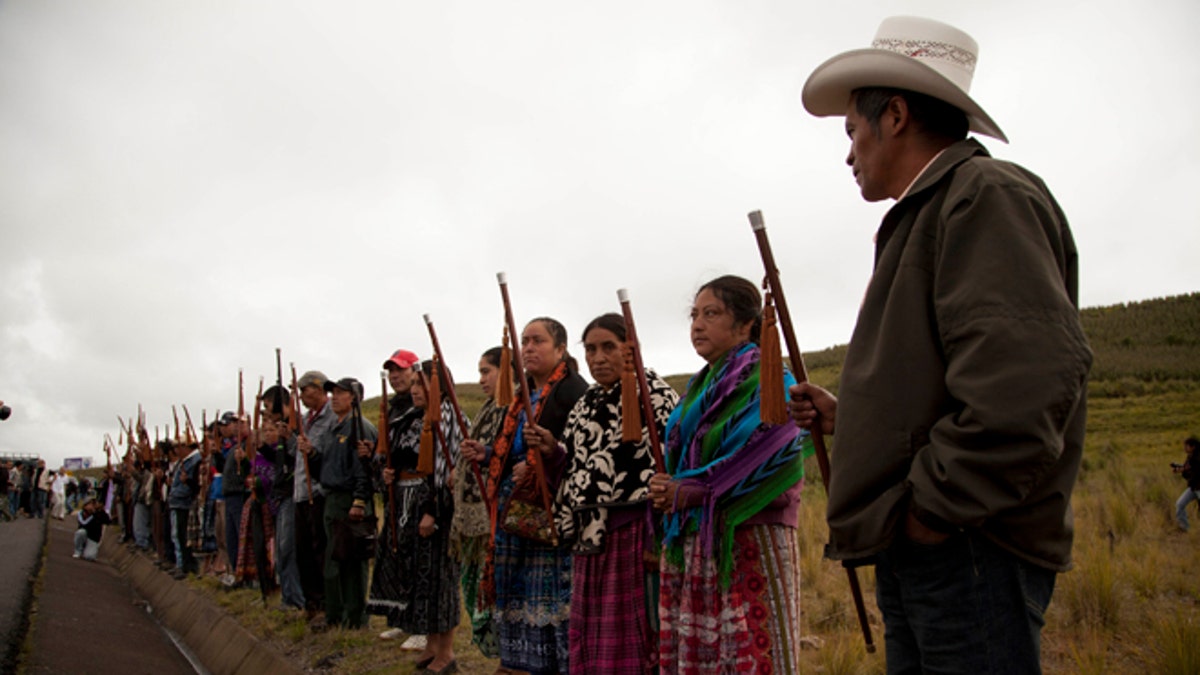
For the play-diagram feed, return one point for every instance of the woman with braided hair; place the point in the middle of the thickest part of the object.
(471, 531)
(603, 511)
(730, 565)
(530, 581)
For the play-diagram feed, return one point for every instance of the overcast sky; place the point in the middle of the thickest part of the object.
(186, 186)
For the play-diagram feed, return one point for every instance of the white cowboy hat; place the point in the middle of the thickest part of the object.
(908, 52)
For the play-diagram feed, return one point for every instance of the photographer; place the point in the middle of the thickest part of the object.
(1190, 469)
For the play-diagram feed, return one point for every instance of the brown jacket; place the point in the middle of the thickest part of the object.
(963, 391)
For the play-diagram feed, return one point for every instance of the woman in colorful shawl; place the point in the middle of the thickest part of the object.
(415, 584)
(730, 576)
(529, 582)
(603, 514)
(470, 530)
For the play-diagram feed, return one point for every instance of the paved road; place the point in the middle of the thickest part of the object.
(20, 545)
(88, 620)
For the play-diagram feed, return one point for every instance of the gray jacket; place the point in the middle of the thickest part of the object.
(341, 468)
(963, 391)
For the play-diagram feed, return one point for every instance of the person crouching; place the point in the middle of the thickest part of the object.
(92, 520)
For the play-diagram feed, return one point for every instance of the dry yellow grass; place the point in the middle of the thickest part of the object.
(1132, 602)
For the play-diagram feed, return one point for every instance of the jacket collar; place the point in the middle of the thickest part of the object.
(950, 158)
(946, 162)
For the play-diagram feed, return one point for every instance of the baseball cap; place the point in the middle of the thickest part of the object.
(401, 358)
(313, 377)
(347, 384)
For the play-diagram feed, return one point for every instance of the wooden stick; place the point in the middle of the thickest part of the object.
(187, 417)
(519, 366)
(458, 414)
(437, 426)
(381, 448)
(797, 359)
(300, 432)
(660, 466)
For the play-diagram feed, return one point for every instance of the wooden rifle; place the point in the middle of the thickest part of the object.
(192, 437)
(433, 411)
(651, 420)
(519, 366)
(381, 448)
(463, 426)
(241, 414)
(798, 370)
(204, 452)
(256, 429)
(277, 404)
(298, 427)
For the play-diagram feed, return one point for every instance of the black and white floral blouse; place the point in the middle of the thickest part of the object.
(602, 470)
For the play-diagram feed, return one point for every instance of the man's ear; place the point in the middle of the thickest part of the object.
(895, 117)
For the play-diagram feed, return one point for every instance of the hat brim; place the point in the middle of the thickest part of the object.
(827, 91)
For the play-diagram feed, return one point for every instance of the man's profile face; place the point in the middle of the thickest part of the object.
(312, 396)
(868, 158)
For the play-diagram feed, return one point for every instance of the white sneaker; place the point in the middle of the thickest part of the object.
(391, 634)
(75, 554)
(415, 643)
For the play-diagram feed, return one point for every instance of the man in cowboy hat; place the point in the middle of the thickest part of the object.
(960, 414)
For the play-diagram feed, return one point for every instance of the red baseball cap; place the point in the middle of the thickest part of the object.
(401, 358)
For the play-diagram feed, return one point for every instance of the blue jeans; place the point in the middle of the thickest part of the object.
(963, 606)
(85, 548)
(39, 504)
(179, 538)
(1189, 495)
(285, 554)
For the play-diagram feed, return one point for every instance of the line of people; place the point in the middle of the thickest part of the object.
(959, 420)
(32, 490)
(645, 567)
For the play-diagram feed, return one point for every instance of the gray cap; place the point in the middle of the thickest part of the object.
(313, 377)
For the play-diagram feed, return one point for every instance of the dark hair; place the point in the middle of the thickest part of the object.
(931, 115)
(741, 299)
(611, 322)
(1192, 442)
(276, 396)
(445, 380)
(166, 446)
(558, 333)
(493, 355)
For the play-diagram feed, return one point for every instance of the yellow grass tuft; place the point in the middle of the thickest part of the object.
(1177, 641)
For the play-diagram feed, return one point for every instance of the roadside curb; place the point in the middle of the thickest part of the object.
(19, 630)
(221, 644)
